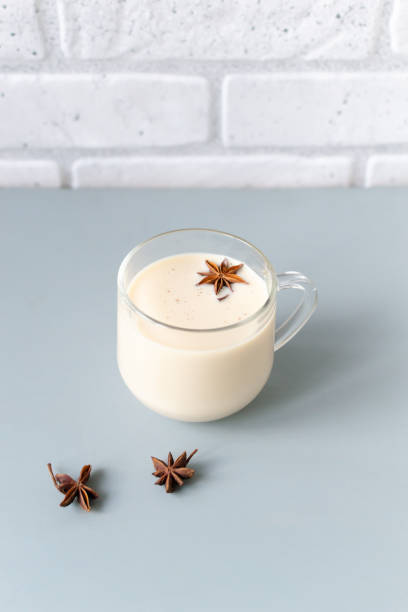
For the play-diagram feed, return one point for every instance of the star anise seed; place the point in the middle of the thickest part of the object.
(74, 488)
(221, 276)
(173, 472)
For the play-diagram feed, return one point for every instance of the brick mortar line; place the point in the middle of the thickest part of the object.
(360, 170)
(383, 38)
(204, 149)
(209, 68)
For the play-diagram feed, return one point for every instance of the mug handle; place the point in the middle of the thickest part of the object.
(304, 310)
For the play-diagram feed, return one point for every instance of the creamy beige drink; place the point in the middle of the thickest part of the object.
(195, 356)
(168, 291)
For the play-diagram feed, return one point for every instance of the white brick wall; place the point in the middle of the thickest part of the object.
(222, 93)
(97, 111)
(220, 29)
(214, 170)
(315, 110)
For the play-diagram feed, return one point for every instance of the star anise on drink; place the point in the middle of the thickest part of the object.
(74, 489)
(221, 276)
(173, 472)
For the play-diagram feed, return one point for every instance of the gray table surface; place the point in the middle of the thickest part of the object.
(300, 500)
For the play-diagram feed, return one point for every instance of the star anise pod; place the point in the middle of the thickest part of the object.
(173, 472)
(74, 488)
(221, 276)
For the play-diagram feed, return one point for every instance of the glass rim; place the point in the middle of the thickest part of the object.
(132, 306)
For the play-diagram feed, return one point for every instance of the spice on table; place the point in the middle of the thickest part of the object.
(74, 489)
(221, 276)
(173, 472)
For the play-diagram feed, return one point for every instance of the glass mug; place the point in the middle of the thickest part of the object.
(204, 374)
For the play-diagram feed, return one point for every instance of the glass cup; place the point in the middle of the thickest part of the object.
(203, 374)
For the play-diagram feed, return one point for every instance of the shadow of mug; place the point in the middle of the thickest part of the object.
(318, 362)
